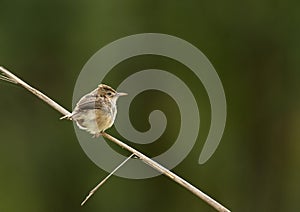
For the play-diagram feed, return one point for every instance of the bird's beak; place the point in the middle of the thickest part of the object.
(122, 94)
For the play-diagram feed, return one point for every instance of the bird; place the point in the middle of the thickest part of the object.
(96, 111)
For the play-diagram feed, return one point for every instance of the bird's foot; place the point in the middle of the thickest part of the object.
(98, 134)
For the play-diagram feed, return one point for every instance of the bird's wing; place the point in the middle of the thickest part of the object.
(89, 101)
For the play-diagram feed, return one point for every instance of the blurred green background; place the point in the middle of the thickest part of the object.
(255, 48)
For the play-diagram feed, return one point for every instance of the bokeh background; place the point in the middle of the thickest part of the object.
(255, 48)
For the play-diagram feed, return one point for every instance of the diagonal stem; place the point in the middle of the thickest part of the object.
(169, 174)
(104, 180)
(11, 77)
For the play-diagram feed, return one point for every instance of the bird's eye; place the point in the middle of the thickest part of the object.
(109, 93)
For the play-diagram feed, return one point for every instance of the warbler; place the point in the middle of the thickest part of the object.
(96, 111)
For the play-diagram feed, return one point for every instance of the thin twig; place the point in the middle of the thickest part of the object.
(169, 174)
(103, 181)
(143, 157)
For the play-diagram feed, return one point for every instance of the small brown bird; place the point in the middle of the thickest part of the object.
(96, 111)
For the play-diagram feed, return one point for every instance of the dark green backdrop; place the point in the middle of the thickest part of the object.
(254, 46)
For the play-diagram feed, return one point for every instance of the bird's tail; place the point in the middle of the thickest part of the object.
(68, 116)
